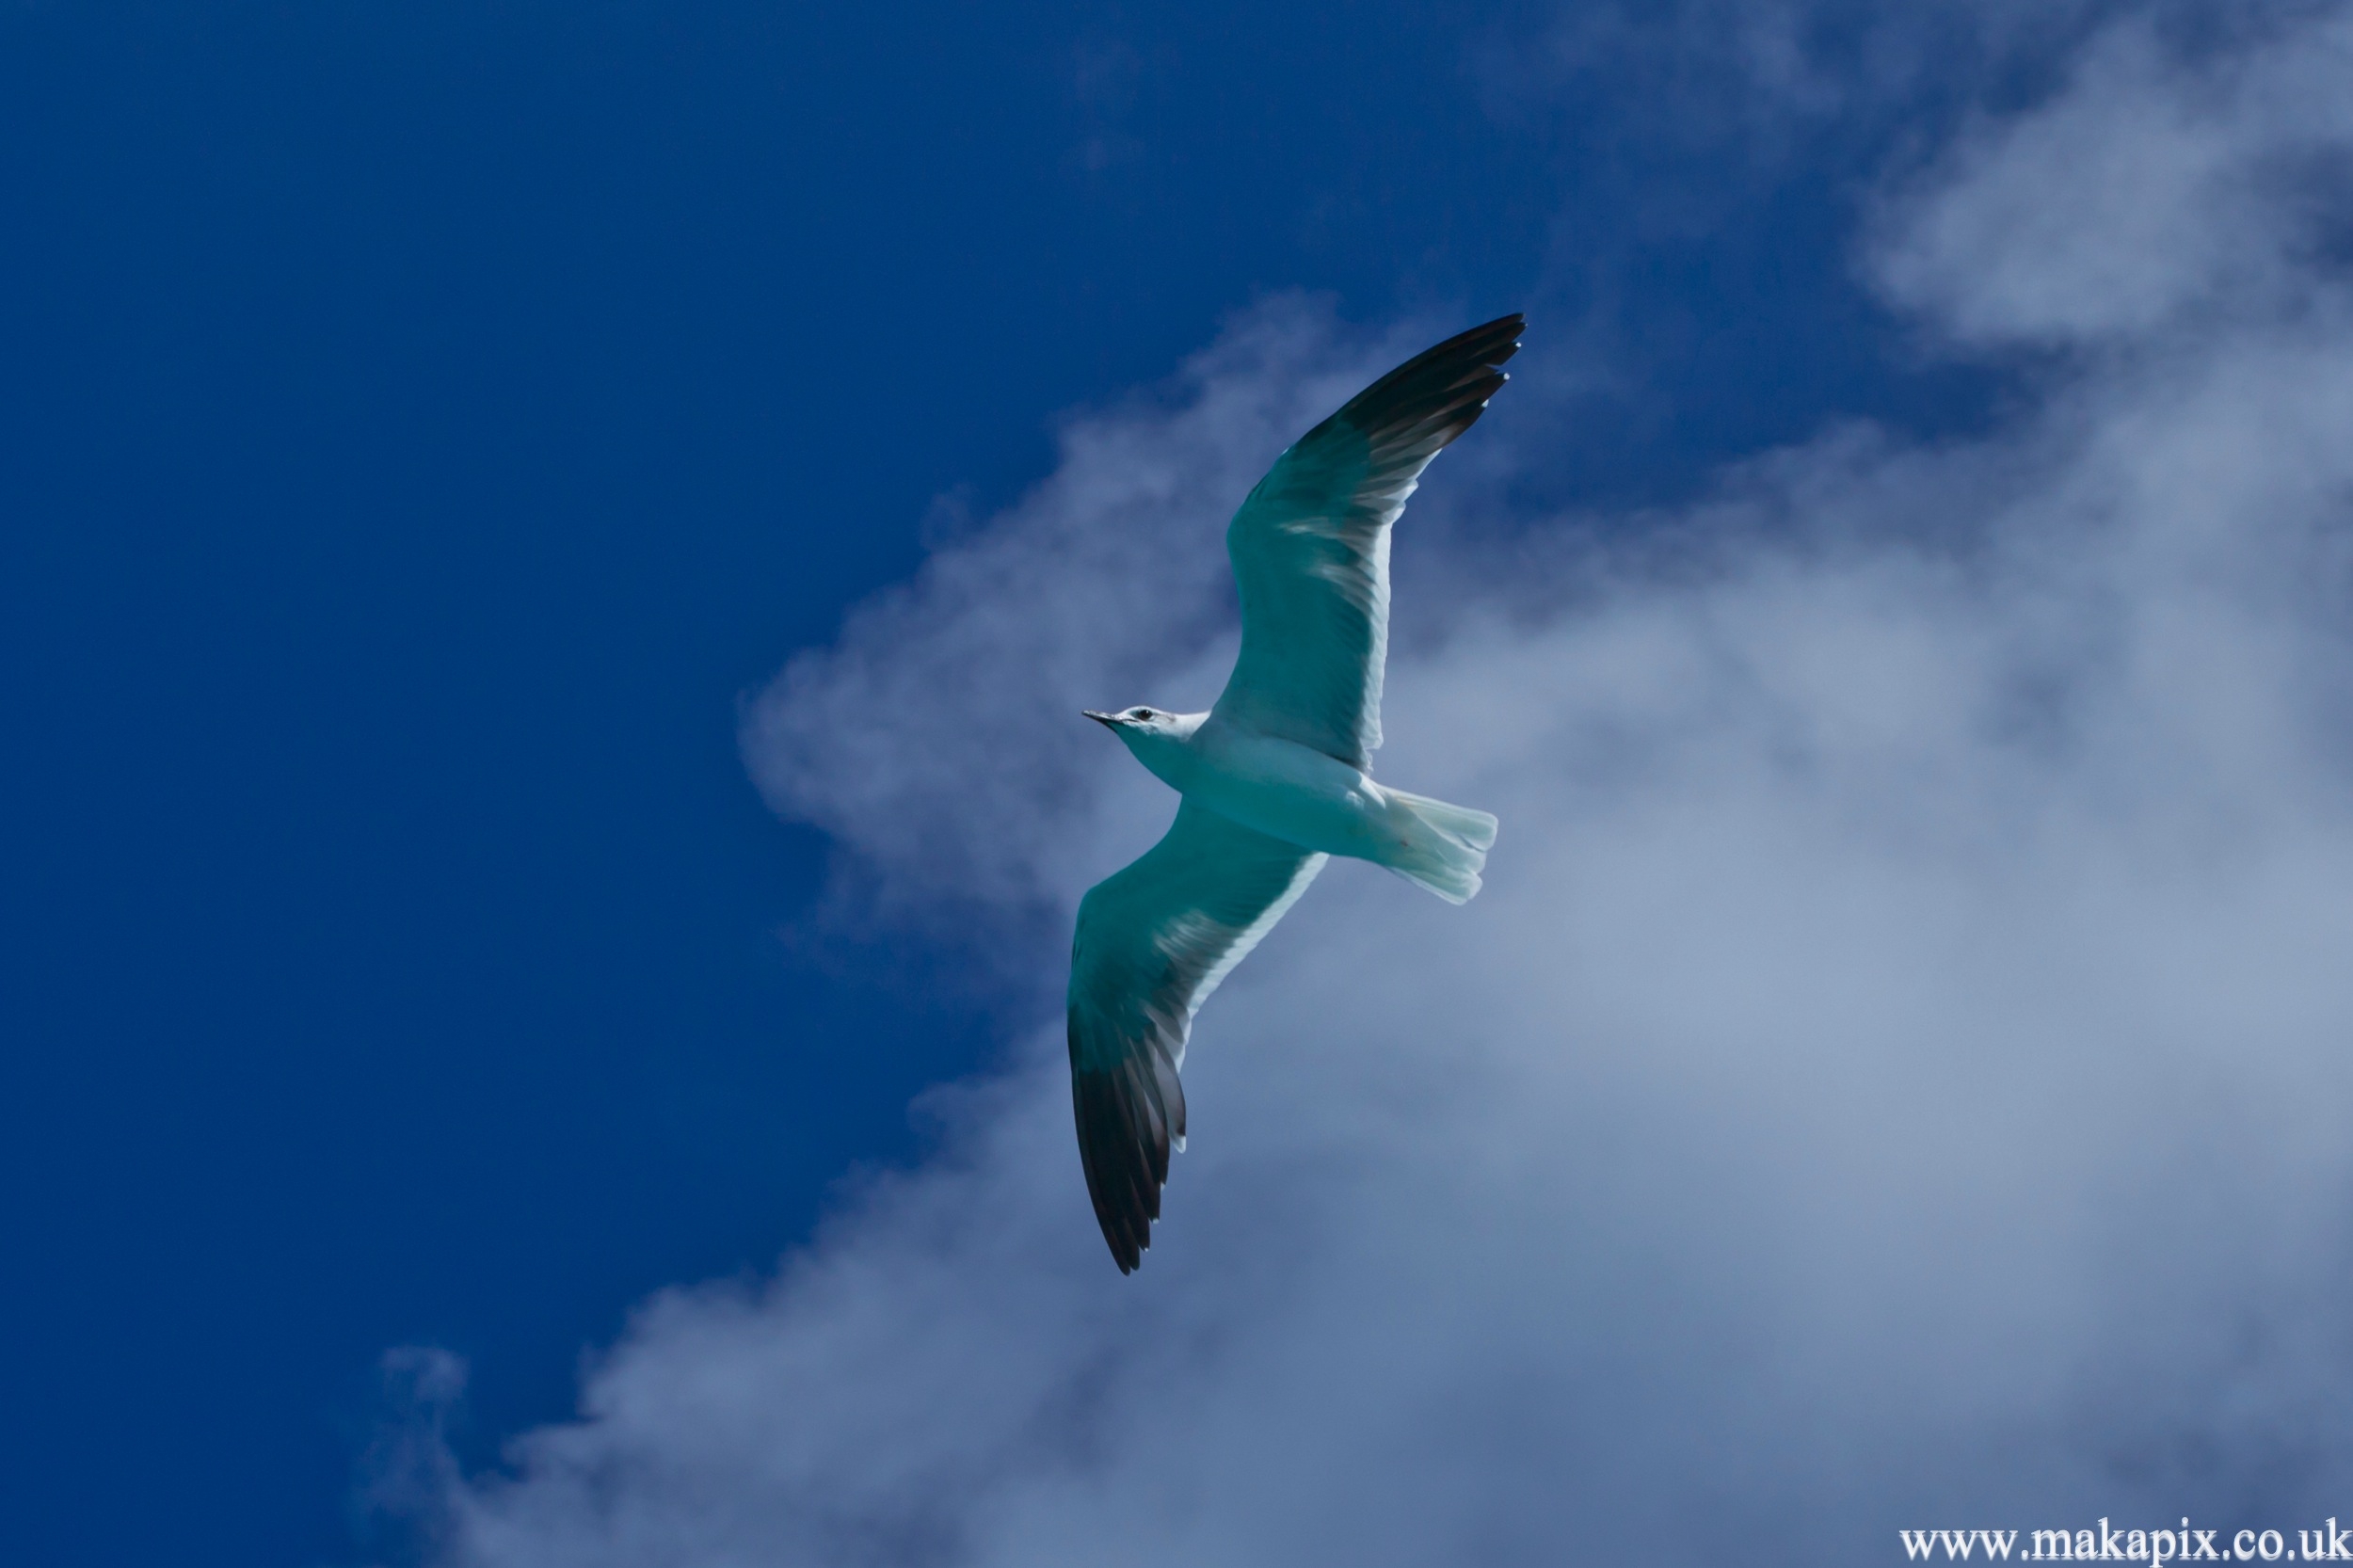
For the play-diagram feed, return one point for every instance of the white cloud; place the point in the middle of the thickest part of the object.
(2155, 187)
(1899, 1072)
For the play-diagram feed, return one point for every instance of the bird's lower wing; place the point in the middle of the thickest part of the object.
(1153, 941)
(1310, 546)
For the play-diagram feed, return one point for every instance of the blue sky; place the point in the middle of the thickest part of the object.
(435, 927)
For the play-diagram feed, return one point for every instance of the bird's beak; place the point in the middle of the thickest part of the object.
(1104, 719)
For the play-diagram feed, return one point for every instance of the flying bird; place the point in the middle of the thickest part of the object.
(1276, 778)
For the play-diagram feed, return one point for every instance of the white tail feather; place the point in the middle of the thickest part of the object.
(1442, 847)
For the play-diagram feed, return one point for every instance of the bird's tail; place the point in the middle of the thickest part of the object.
(1443, 847)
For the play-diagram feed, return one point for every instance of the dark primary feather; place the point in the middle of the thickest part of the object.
(1153, 941)
(1310, 546)
(1436, 395)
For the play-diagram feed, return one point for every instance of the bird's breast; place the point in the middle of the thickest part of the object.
(1284, 789)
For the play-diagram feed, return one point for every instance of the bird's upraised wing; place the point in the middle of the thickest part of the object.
(1310, 546)
(1154, 940)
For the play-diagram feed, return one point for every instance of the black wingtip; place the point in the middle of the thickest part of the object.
(1425, 403)
(1129, 1116)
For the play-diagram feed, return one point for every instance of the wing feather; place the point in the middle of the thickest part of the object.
(1153, 941)
(1310, 546)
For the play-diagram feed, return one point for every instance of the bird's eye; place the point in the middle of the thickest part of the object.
(1143, 713)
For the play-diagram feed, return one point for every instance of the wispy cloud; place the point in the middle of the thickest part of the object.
(2159, 190)
(1896, 1075)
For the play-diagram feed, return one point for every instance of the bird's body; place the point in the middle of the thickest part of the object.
(1301, 797)
(1282, 788)
(1276, 778)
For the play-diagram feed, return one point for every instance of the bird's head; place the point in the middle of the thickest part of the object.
(1149, 732)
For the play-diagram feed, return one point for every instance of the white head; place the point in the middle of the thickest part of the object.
(1156, 735)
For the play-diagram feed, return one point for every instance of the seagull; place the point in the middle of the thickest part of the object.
(1275, 779)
